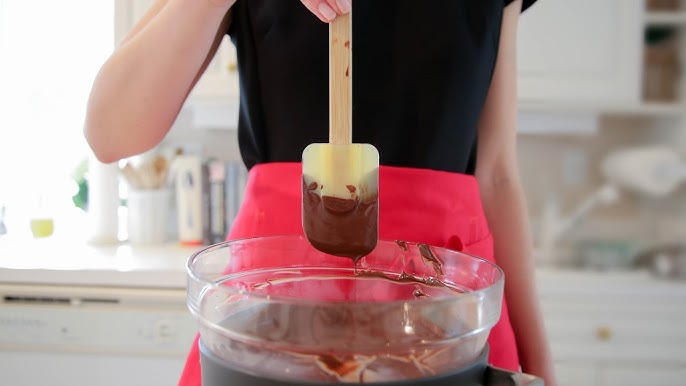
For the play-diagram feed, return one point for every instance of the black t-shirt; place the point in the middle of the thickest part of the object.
(421, 71)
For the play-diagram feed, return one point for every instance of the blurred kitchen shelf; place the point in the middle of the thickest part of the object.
(666, 18)
(647, 108)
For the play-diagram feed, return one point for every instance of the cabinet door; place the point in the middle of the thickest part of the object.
(585, 51)
(220, 80)
(616, 328)
(575, 374)
(643, 375)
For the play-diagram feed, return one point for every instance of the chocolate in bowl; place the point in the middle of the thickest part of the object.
(278, 308)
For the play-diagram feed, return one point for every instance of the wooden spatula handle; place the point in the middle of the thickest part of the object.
(340, 79)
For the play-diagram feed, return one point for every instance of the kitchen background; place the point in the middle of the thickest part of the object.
(597, 78)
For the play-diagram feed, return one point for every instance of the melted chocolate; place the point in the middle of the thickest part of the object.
(341, 367)
(339, 226)
(333, 330)
(404, 277)
(429, 257)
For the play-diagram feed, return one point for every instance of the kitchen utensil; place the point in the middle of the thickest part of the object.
(149, 174)
(340, 179)
(161, 168)
(131, 176)
(408, 314)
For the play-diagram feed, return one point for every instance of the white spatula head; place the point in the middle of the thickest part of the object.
(340, 198)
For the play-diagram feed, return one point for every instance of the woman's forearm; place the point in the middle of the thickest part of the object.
(140, 89)
(506, 212)
(505, 205)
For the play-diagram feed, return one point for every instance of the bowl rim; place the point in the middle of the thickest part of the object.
(498, 282)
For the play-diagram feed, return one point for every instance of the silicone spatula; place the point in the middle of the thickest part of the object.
(340, 179)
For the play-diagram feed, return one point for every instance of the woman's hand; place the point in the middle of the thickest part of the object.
(326, 10)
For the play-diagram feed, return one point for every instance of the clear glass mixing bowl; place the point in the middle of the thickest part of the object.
(278, 308)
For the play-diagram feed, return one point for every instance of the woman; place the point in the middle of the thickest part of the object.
(434, 91)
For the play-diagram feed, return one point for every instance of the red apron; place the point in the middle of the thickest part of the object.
(426, 206)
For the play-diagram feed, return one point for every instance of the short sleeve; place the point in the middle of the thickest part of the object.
(525, 3)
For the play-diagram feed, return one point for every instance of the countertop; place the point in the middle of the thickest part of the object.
(75, 262)
(55, 261)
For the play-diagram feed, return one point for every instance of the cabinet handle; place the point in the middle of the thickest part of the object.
(232, 67)
(603, 333)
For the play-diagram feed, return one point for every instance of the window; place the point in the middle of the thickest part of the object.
(50, 52)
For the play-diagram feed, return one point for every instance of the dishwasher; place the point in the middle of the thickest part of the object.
(92, 335)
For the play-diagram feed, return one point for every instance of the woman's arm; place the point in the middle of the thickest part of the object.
(141, 88)
(505, 206)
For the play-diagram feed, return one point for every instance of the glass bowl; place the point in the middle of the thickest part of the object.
(276, 307)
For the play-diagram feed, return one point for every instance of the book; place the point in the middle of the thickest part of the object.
(236, 178)
(217, 219)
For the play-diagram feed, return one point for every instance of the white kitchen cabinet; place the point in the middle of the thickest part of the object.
(220, 80)
(575, 374)
(639, 375)
(581, 51)
(608, 329)
(219, 83)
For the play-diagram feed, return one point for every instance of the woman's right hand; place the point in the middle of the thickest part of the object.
(327, 10)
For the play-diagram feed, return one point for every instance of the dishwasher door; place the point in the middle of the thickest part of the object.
(62, 335)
